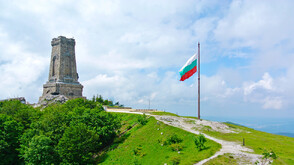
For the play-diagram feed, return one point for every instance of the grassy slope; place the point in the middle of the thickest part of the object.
(147, 137)
(260, 141)
(164, 113)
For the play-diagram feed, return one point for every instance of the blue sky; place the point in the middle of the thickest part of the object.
(131, 51)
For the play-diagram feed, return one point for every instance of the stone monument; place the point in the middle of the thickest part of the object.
(63, 76)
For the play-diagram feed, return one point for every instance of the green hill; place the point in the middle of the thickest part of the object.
(148, 136)
(81, 132)
(259, 141)
(148, 140)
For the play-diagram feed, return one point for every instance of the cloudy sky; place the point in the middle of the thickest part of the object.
(131, 51)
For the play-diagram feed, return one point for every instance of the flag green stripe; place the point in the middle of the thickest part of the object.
(189, 67)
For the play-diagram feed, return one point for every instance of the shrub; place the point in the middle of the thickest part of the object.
(174, 139)
(142, 119)
(138, 151)
(104, 124)
(40, 151)
(199, 142)
(10, 132)
(175, 160)
(25, 114)
(70, 132)
(267, 156)
(78, 145)
(80, 102)
(129, 127)
(176, 147)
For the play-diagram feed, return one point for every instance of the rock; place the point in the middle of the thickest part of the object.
(49, 99)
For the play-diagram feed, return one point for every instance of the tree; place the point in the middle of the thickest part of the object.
(79, 102)
(73, 132)
(142, 119)
(40, 151)
(22, 113)
(104, 124)
(99, 99)
(116, 104)
(78, 144)
(10, 132)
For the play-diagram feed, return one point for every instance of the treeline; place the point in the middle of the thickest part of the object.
(99, 99)
(70, 133)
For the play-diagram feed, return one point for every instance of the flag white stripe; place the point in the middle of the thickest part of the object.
(193, 58)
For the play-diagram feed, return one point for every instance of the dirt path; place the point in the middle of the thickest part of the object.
(235, 149)
(243, 154)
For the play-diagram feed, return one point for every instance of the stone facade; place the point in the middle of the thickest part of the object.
(63, 76)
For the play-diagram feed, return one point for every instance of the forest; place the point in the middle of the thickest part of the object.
(69, 133)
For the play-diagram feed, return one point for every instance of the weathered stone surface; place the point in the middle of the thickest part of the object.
(63, 76)
(49, 99)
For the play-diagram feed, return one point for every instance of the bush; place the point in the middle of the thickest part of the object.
(10, 132)
(78, 145)
(71, 133)
(129, 127)
(25, 114)
(174, 139)
(104, 124)
(40, 151)
(142, 119)
(80, 102)
(175, 160)
(199, 142)
(267, 156)
(138, 151)
(176, 147)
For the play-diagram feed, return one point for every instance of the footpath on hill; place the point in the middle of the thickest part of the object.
(244, 154)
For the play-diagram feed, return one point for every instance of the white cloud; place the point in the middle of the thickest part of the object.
(266, 83)
(256, 24)
(131, 51)
(19, 69)
(272, 103)
(215, 88)
(264, 92)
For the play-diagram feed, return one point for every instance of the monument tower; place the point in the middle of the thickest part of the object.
(63, 76)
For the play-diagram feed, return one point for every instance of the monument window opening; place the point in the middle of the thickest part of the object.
(55, 93)
(53, 66)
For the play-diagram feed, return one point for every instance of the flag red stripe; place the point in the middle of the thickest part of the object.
(189, 74)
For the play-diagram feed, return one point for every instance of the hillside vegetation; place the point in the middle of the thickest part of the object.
(58, 134)
(148, 144)
(81, 132)
(259, 141)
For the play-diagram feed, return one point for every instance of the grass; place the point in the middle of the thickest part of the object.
(144, 145)
(223, 159)
(163, 113)
(259, 142)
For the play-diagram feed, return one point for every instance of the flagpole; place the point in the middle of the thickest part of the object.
(198, 80)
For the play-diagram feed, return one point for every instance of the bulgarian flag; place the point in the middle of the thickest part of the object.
(189, 68)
